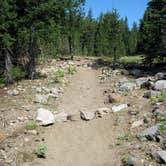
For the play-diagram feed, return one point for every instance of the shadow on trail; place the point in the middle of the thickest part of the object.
(143, 70)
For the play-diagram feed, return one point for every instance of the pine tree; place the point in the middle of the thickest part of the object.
(153, 31)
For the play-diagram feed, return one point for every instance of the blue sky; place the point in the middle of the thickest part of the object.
(133, 9)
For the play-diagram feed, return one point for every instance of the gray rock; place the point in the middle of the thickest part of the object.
(61, 117)
(160, 76)
(13, 92)
(160, 156)
(45, 117)
(127, 87)
(151, 94)
(118, 108)
(151, 134)
(136, 72)
(130, 160)
(85, 115)
(137, 123)
(42, 99)
(160, 85)
(141, 81)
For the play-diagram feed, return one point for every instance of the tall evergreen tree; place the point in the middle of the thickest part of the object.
(153, 31)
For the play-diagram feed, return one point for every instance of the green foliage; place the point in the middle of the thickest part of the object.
(41, 151)
(59, 74)
(71, 70)
(31, 126)
(152, 40)
(131, 59)
(17, 73)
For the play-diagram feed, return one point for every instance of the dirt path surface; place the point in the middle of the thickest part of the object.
(81, 143)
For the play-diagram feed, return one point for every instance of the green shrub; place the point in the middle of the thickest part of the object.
(31, 126)
(41, 151)
(59, 75)
(17, 73)
(71, 70)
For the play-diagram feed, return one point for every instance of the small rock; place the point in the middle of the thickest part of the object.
(133, 112)
(151, 94)
(137, 124)
(141, 81)
(113, 98)
(102, 111)
(45, 117)
(151, 134)
(130, 160)
(13, 92)
(31, 132)
(160, 85)
(85, 115)
(61, 117)
(118, 108)
(127, 86)
(160, 156)
(147, 85)
(42, 99)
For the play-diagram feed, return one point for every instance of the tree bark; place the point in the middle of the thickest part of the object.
(8, 67)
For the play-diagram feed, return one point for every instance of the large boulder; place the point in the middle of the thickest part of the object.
(160, 85)
(45, 117)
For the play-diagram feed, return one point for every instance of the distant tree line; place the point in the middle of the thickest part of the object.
(41, 29)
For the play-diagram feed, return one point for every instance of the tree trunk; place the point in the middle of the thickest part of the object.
(8, 66)
(71, 52)
(31, 65)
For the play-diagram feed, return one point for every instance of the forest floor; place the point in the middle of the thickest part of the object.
(102, 141)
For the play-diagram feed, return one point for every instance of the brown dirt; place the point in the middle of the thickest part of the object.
(81, 143)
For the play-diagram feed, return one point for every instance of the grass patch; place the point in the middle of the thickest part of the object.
(31, 126)
(59, 75)
(41, 151)
(71, 70)
(131, 59)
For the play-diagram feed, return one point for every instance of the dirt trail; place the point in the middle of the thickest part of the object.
(81, 143)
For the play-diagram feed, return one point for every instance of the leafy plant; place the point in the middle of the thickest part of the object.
(31, 126)
(71, 70)
(59, 75)
(41, 151)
